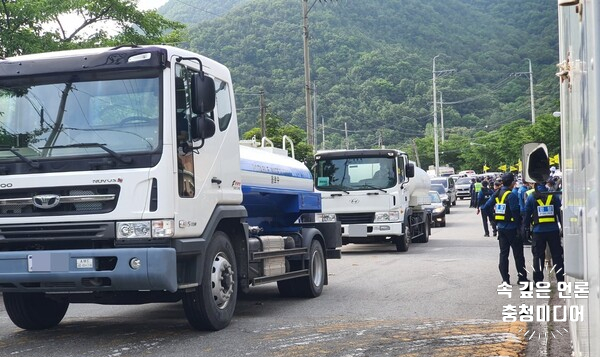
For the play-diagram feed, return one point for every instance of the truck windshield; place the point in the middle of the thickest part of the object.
(55, 120)
(353, 174)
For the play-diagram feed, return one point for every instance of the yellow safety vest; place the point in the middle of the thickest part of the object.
(544, 212)
(500, 207)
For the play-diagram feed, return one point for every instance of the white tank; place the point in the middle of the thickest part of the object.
(272, 168)
(418, 188)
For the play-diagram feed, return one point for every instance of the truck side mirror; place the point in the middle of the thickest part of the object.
(410, 170)
(536, 166)
(203, 94)
(202, 128)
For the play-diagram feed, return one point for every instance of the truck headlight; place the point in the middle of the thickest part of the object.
(390, 216)
(145, 229)
(325, 217)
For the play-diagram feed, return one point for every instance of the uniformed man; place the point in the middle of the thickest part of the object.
(542, 208)
(508, 221)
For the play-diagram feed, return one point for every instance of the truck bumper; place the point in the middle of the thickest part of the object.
(88, 270)
(372, 230)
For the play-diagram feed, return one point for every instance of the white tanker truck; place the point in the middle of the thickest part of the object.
(123, 182)
(376, 195)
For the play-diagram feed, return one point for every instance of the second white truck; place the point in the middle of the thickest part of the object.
(377, 195)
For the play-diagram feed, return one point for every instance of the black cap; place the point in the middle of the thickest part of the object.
(508, 178)
(484, 183)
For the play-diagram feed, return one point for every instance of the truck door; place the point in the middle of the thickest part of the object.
(204, 167)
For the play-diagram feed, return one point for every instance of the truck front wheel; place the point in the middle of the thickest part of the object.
(403, 241)
(34, 311)
(211, 305)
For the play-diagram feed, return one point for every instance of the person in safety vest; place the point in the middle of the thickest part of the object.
(508, 220)
(477, 188)
(472, 193)
(482, 198)
(543, 211)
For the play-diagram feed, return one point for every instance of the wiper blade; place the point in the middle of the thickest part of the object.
(340, 187)
(116, 155)
(26, 160)
(374, 188)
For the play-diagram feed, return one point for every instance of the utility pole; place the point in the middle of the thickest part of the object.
(530, 75)
(346, 132)
(435, 133)
(323, 131)
(263, 124)
(315, 113)
(309, 119)
(442, 115)
(531, 92)
(414, 145)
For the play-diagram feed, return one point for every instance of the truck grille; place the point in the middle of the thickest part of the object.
(354, 218)
(56, 201)
(52, 236)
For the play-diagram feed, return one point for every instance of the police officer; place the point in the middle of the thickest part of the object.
(543, 210)
(508, 221)
(483, 196)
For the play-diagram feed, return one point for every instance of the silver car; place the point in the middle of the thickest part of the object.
(463, 186)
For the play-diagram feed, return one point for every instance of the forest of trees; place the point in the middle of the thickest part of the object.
(371, 63)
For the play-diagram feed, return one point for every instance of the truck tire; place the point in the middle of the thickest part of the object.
(34, 311)
(424, 238)
(403, 241)
(211, 305)
(309, 286)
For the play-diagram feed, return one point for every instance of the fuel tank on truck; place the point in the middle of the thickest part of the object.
(418, 188)
(277, 189)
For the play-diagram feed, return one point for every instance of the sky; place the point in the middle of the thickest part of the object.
(150, 4)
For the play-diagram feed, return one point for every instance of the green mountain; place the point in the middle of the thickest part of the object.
(372, 62)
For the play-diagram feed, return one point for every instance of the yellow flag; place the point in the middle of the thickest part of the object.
(485, 168)
(551, 160)
(520, 165)
(502, 168)
(514, 168)
(556, 159)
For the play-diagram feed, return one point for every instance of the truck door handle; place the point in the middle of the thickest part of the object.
(216, 180)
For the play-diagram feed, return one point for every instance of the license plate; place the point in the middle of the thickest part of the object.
(47, 262)
(357, 231)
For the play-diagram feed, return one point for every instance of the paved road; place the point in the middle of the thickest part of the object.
(437, 299)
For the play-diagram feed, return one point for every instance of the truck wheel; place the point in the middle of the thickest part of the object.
(211, 305)
(309, 286)
(424, 238)
(34, 311)
(402, 242)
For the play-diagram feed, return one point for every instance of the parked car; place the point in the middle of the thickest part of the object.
(449, 186)
(443, 196)
(437, 209)
(463, 186)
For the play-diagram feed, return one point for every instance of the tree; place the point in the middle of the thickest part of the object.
(276, 131)
(34, 26)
